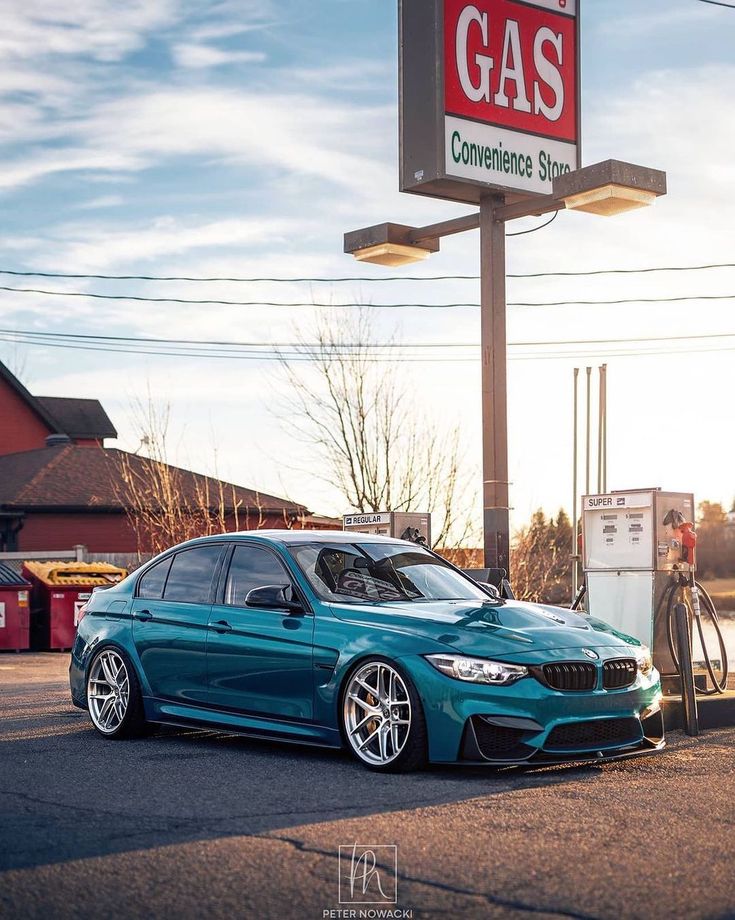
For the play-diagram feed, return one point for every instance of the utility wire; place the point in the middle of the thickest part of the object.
(382, 359)
(381, 306)
(355, 279)
(728, 6)
(300, 352)
(347, 347)
(534, 229)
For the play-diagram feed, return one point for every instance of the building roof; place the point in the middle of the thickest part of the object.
(9, 578)
(78, 418)
(67, 477)
(323, 522)
(33, 404)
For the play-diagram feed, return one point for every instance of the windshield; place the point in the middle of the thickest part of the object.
(381, 572)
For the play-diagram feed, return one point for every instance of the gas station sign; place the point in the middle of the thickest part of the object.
(489, 96)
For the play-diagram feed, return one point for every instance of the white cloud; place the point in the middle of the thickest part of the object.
(105, 121)
(200, 56)
(103, 201)
(20, 78)
(301, 134)
(297, 134)
(217, 30)
(354, 74)
(657, 20)
(105, 30)
(35, 166)
(95, 246)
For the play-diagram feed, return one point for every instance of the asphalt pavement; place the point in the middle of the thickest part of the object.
(188, 824)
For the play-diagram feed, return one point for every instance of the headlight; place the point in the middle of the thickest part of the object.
(477, 670)
(644, 659)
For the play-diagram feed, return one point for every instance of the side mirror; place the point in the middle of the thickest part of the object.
(273, 597)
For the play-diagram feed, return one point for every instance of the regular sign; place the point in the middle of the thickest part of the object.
(489, 96)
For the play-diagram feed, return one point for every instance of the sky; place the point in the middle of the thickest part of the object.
(244, 137)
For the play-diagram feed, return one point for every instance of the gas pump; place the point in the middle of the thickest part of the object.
(403, 525)
(639, 554)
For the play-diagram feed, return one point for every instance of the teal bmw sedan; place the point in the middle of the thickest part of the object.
(358, 641)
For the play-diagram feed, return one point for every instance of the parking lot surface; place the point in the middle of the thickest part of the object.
(188, 824)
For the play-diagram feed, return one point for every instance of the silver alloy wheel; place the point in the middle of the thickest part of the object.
(377, 713)
(108, 691)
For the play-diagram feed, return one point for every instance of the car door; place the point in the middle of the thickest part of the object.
(170, 617)
(259, 661)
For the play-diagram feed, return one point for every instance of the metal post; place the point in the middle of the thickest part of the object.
(575, 472)
(604, 427)
(686, 671)
(600, 423)
(588, 435)
(494, 386)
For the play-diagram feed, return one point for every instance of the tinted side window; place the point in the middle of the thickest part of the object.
(191, 574)
(152, 582)
(252, 567)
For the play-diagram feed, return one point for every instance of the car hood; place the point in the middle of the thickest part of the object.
(511, 628)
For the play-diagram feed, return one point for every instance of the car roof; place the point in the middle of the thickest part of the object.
(310, 536)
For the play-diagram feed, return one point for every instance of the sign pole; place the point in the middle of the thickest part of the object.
(494, 385)
(489, 107)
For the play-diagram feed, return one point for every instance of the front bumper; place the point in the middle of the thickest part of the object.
(490, 740)
(528, 723)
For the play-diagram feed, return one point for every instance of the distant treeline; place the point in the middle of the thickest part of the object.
(715, 542)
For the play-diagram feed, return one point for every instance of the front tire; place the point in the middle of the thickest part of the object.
(113, 695)
(382, 718)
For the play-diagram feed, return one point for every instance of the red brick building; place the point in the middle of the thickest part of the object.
(61, 486)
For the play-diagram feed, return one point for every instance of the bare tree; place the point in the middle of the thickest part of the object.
(166, 505)
(367, 437)
(15, 358)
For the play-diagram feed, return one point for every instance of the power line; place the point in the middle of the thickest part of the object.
(222, 303)
(299, 353)
(377, 306)
(377, 360)
(360, 279)
(728, 6)
(347, 347)
(624, 300)
(621, 271)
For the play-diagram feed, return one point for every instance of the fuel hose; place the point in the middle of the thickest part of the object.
(700, 601)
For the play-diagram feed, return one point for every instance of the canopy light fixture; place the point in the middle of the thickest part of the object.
(610, 200)
(392, 255)
(609, 188)
(391, 245)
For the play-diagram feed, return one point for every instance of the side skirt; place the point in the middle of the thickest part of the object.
(235, 723)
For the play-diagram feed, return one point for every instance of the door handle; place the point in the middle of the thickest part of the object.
(221, 626)
(143, 615)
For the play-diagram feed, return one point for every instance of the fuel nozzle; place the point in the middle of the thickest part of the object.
(414, 535)
(675, 518)
(688, 534)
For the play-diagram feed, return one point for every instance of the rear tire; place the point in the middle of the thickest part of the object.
(382, 719)
(114, 699)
